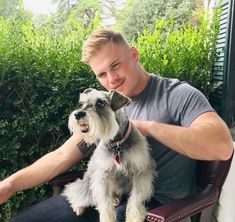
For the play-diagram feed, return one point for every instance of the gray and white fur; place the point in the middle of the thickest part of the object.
(114, 169)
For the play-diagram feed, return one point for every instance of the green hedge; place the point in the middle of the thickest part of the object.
(41, 76)
(40, 79)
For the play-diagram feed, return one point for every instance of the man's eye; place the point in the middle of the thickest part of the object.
(100, 103)
(101, 75)
(115, 65)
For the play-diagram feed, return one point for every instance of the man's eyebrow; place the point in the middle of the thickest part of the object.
(115, 61)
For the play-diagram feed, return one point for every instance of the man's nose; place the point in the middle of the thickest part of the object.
(113, 77)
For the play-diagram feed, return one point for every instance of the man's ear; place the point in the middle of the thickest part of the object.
(118, 100)
(134, 53)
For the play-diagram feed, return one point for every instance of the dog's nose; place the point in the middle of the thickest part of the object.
(79, 115)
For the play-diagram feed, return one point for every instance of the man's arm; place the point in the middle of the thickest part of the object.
(44, 169)
(207, 138)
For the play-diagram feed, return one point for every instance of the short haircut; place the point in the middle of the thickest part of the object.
(98, 39)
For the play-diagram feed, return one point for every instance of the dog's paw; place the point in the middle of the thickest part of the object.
(116, 199)
(135, 219)
(135, 213)
(79, 211)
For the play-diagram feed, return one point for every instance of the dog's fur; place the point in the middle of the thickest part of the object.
(100, 117)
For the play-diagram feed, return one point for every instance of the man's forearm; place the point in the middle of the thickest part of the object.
(39, 172)
(47, 167)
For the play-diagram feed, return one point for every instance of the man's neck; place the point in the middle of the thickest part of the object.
(145, 76)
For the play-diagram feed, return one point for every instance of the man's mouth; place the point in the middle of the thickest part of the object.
(119, 86)
(84, 128)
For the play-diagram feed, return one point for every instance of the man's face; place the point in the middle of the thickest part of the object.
(116, 67)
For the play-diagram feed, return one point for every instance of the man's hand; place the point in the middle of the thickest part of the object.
(141, 125)
(5, 191)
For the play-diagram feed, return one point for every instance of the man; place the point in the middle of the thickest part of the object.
(176, 118)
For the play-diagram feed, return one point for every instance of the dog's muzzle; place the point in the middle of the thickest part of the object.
(84, 127)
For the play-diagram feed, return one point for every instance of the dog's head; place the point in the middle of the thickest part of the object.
(96, 116)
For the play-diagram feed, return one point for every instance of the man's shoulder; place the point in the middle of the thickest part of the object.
(163, 84)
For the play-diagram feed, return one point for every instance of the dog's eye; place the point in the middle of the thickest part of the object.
(100, 103)
(80, 105)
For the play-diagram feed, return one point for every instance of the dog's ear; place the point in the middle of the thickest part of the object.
(118, 100)
(82, 95)
(88, 90)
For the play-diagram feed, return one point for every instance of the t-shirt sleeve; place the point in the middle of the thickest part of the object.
(185, 103)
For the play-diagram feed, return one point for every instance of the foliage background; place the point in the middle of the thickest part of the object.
(138, 15)
(186, 52)
(40, 79)
(41, 76)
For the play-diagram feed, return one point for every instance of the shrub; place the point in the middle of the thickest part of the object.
(186, 53)
(41, 76)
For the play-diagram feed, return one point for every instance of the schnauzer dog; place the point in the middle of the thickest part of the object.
(120, 165)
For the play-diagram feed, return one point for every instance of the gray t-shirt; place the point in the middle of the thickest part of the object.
(174, 102)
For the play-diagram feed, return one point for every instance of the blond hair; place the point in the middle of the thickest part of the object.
(98, 39)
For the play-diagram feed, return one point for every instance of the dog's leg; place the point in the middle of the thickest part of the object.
(78, 195)
(106, 208)
(141, 191)
(106, 214)
(102, 189)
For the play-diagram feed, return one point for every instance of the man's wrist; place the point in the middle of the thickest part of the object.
(149, 128)
(86, 148)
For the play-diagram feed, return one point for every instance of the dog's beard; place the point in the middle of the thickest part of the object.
(95, 126)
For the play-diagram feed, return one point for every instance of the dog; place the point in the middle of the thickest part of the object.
(120, 165)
